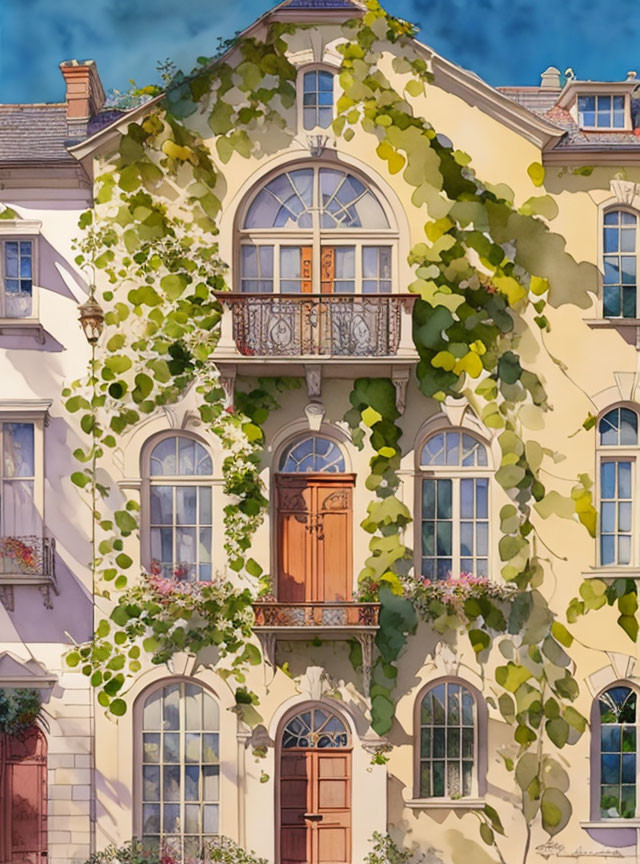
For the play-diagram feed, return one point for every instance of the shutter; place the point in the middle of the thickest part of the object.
(306, 269)
(327, 269)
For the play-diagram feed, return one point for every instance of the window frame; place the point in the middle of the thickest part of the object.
(622, 208)
(618, 453)
(137, 786)
(480, 761)
(456, 474)
(599, 94)
(148, 480)
(595, 753)
(14, 231)
(37, 414)
(302, 71)
(315, 237)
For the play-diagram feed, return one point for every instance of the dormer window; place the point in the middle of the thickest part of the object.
(601, 112)
(317, 99)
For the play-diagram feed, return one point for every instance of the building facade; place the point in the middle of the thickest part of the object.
(317, 235)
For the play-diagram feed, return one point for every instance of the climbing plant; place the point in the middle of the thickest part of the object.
(20, 709)
(485, 273)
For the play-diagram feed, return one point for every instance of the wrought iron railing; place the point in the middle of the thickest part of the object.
(286, 325)
(27, 555)
(336, 614)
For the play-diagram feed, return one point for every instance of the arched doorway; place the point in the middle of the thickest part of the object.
(314, 523)
(314, 815)
(23, 797)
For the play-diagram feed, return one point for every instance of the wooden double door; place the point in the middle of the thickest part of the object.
(314, 524)
(315, 807)
(23, 798)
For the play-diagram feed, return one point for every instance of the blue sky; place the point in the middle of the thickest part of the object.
(504, 41)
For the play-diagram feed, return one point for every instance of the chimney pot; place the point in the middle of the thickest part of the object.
(84, 94)
(550, 78)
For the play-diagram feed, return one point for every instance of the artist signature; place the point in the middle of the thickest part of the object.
(558, 850)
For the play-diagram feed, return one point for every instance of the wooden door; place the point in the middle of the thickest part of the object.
(315, 807)
(314, 528)
(23, 798)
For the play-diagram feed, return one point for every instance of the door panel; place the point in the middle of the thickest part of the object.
(294, 792)
(294, 549)
(23, 798)
(327, 269)
(314, 538)
(334, 543)
(324, 792)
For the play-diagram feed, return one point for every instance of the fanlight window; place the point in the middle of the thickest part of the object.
(313, 454)
(294, 198)
(180, 770)
(617, 428)
(620, 284)
(618, 752)
(455, 506)
(180, 511)
(448, 728)
(316, 727)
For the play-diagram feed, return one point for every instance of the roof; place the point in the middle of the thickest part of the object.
(40, 132)
(33, 133)
(546, 102)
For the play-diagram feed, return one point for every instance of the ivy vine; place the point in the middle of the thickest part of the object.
(485, 273)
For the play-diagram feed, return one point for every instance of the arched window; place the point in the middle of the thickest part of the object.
(180, 770)
(180, 512)
(616, 728)
(448, 765)
(313, 454)
(315, 727)
(618, 443)
(620, 283)
(455, 505)
(317, 99)
(316, 230)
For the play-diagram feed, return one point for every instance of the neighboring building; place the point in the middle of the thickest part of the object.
(281, 234)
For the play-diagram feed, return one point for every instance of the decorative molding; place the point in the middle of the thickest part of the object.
(400, 379)
(28, 409)
(183, 663)
(313, 374)
(316, 144)
(366, 643)
(315, 412)
(20, 227)
(314, 684)
(228, 384)
(18, 673)
(455, 410)
(626, 382)
(624, 191)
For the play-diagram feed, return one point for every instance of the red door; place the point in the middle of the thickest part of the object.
(315, 807)
(23, 798)
(314, 537)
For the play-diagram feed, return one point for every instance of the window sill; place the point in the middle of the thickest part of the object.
(611, 323)
(26, 326)
(613, 823)
(445, 804)
(612, 573)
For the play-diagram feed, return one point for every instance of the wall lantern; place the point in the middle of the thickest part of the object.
(91, 317)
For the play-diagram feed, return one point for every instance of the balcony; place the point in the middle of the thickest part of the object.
(335, 335)
(27, 560)
(326, 621)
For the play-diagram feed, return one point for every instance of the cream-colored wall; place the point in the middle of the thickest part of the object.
(585, 382)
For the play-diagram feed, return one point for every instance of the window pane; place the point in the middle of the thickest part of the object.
(18, 449)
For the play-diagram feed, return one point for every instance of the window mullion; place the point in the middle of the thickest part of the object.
(455, 528)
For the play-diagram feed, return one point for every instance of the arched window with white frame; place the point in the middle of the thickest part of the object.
(614, 751)
(450, 749)
(179, 508)
(316, 229)
(454, 505)
(620, 264)
(317, 99)
(178, 772)
(618, 452)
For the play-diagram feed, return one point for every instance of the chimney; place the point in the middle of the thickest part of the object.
(84, 94)
(551, 78)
